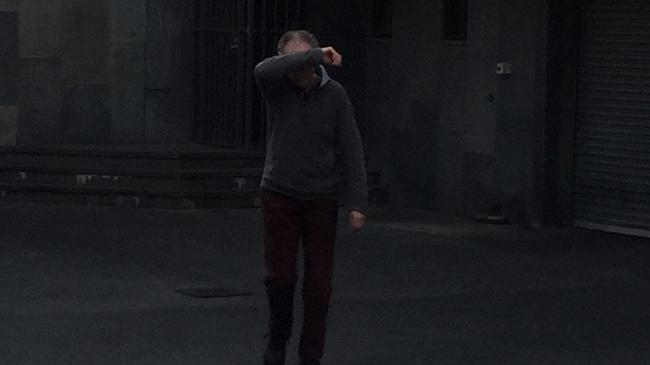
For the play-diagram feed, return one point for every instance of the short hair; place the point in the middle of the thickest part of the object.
(297, 35)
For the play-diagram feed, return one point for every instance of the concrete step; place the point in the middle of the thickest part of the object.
(130, 159)
(225, 178)
(123, 196)
(167, 176)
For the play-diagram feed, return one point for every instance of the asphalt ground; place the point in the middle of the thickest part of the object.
(99, 285)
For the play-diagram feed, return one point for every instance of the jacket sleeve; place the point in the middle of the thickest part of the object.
(270, 73)
(356, 186)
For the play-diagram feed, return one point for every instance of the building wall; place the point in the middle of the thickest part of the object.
(378, 103)
(412, 133)
(521, 108)
(456, 137)
(468, 116)
(95, 72)
(561, 90)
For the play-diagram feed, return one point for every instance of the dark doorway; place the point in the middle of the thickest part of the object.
(231, 37)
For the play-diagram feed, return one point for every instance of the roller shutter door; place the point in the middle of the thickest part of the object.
(612, 177)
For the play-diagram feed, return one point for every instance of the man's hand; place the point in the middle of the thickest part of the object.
(356, 220)
(331, 56)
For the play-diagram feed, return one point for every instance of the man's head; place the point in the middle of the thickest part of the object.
(296, 41)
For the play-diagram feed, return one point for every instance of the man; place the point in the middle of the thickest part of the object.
(310, 117)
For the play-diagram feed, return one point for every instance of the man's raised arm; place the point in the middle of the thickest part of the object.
(271, 71)
(276, 67)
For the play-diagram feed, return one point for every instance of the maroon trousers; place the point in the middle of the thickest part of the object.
(286, 221)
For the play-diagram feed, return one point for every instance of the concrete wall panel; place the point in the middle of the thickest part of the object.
(479, 111)
(127, 93)
(378, 103)
(488, 127)
(561, 91)
(415, 116)
(8, 125)
(482, 23)
(520, 106)
(170, 75)
(450, 171)
(478, 188)
(170, 44)
(39, 101)
(84, 41)
(91, 58)
(128, 22)
(85, 116)
(161, 34)
(166, 117)
(8, 58)
(39, 28)
(415, 157)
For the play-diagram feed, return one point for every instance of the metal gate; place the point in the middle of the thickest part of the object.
(612, 191)
(231, 37)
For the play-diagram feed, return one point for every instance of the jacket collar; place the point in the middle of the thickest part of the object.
(324, 79)
(324, 76)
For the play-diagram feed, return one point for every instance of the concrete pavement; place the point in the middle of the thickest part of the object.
(96, 285)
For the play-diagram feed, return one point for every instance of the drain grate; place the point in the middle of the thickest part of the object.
(213, 293)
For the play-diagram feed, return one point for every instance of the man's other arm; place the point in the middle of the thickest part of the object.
(351, 145)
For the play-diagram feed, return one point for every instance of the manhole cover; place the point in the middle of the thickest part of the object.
(213, 293)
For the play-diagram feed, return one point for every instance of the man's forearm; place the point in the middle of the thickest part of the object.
(357, 180)
(275, 68)
(357, 186)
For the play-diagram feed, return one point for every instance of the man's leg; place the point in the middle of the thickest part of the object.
(281, 237)
(319, 235)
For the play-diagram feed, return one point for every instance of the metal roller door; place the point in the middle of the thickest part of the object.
(612, 177)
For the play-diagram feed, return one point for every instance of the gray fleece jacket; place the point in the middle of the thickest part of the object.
(306, 130)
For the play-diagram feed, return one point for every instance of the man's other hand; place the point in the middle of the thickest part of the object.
(357, 219)
(331, 56)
